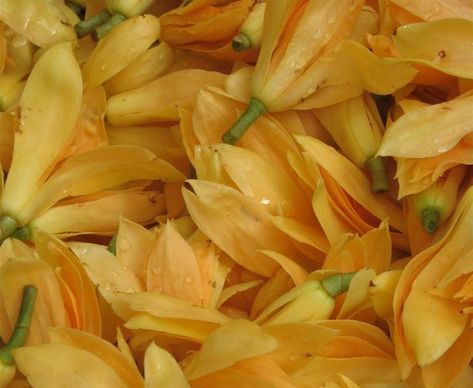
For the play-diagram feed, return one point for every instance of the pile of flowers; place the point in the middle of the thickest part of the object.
(236, 193)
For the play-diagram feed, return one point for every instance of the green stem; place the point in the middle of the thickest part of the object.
(379, 180)
(23, 233)
(85, 27)
(253, 111)
(430, 218)
(241, 42)
(337, 284)
(22, 325)
(7, 226)
(102, 30)
(112, 245)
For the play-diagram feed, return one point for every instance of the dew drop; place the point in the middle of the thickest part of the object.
(156, 270)
(188, 279)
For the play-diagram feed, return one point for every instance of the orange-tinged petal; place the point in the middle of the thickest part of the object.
(49, 307)
(90, 129)
(13, 247)
(159, 140)
(195, 331)
(162, 370)
(440, 325)
(274, 287)
(352, 180)
(158, 100)
(230, 291)
(362, 370)
(71, 272)
(373, 250)
(297, 273)
(311, 238)
(59, 365)
(49, 108)
(438, 128)
(237, 340)
(213, 111)
(97, 170)
(172, 267)
(448, 368)
(239, 225)
(119, 48)
(258, 178)
(102, 349)
(298, 341)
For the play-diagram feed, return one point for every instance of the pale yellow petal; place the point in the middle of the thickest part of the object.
(119, 48)
(162, 370)
(158, 100)
(428, 131)
(97, 170)
(49, 107)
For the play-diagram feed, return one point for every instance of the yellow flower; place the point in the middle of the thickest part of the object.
(66, 296)
(305, 62)
(207, 27)
(432, 304)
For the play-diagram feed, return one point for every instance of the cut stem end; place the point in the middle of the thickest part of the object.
(241, 42)
(430, 218)
(337, 284)
(7, 226)
(85, 27)
(254, 110)
(379, 180)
